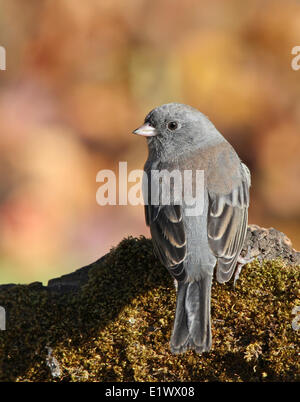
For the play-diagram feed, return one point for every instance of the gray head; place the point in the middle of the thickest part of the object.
(174, 128)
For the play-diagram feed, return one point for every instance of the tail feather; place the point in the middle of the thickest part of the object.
(192, 318)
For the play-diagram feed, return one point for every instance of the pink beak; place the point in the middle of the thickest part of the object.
(146, 130)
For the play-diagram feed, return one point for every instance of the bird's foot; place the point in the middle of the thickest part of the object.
(241, 261)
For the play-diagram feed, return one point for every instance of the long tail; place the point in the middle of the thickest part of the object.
(192, 318)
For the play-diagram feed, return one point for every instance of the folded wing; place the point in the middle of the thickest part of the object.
(227, 225)
(168, 236)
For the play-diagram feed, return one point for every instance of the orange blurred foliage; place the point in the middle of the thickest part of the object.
(82, 75)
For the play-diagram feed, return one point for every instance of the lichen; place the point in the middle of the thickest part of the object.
(118, 325)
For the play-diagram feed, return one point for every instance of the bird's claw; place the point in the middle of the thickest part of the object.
(241, 261)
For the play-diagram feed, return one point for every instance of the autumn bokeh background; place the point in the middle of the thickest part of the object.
(81, 75)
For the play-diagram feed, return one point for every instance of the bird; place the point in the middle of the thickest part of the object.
(194, 249)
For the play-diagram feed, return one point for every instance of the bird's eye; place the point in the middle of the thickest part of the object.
(172, 125)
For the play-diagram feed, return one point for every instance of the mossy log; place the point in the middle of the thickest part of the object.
(112, 321)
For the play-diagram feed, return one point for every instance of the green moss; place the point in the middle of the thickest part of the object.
(118, 326)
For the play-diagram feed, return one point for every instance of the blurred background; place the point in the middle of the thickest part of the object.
(82, 75)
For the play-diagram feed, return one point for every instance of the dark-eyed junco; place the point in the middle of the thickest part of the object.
(181, 138)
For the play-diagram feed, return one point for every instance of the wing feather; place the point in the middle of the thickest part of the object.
(168, 237)
(167, 231)
(227, 225)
